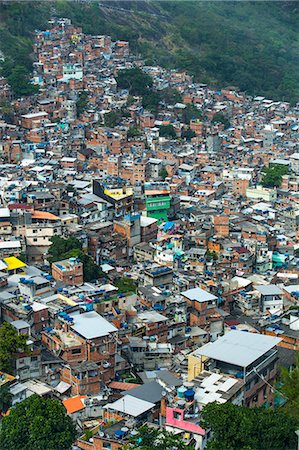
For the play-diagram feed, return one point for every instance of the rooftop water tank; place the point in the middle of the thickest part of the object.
(189, 395)
(180, 391)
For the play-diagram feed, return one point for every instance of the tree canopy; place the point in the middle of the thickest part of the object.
(149, 438)
(125, 284)
(133, 132)
(220, 118)
(167, 131)
(151, 100)
(191, 112)
(69, 248)
(273, 175)
(137, 81)
(237, 427)
(19, 80)
(5, 399)
(163, 173)
(61, 246)
(187, 134)
(82, 102)
(112, 119)
(289, 387)
(10, 344)
(37, 423)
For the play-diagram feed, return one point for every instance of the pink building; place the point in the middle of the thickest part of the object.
(175, 422)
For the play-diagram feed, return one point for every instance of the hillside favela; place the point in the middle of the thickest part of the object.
(149, 227)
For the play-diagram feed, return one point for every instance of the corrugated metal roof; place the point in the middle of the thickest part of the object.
(91, 325)
(238, 348)
(130, 405)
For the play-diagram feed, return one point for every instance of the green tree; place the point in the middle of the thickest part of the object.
(167, 131)
(5, 399)
(157, 439)
(130, 100)
(163, 173)
(170, 96)
(37, 423)
(22, 257)
(60, 246)
(187, 134)
(133, 132)
(137, 81)
(191, 112)
(273, 175)
(19, 79)
(91, 271)
(220, 118)
(112, 119)
(151, 101)
(82, 102)
(72, 248)
(10, 345)
(125, 284)
(237, 427)
(290, 388)
(6, 111)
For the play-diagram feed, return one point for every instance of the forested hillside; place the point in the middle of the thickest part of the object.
(251, 45)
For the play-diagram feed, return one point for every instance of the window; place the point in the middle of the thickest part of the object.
(33, 358)
(107, 445)
(177, 415)
(34, 231)
(76, 351)
(34, 239)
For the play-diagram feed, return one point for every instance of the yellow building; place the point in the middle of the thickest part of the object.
(195, 365)
(14, 265)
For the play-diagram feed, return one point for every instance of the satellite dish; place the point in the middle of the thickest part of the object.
(163, 393)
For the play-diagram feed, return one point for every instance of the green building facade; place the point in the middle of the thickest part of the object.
(157, 207)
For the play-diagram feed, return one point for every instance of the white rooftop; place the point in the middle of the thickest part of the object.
(91, 325)
(130, 405)
(269, 289)
(146, 221)
(238, 347)
(199, 295)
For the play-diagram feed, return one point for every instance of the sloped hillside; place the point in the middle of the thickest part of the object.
(252, 45)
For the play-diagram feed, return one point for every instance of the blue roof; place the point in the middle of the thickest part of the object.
(168, 226)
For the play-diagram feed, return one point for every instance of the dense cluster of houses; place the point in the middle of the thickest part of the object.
(212, 256)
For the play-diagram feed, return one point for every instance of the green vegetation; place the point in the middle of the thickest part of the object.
(290, 389)
(61, 249)
(163, 173)
(237, 427)
(252, 45)
(167, 131)
(273, 175)
(37, 423)
(151, 101)
(149, 438)
(133, 132)
(6, 111)
(137, 81)
(187, 134)
(10, 344)
(5, 399)
(220, 118)
(112, 119)
(191, 112)
(170, 96)
(211, 256)
(82, 102)
(125, 285)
